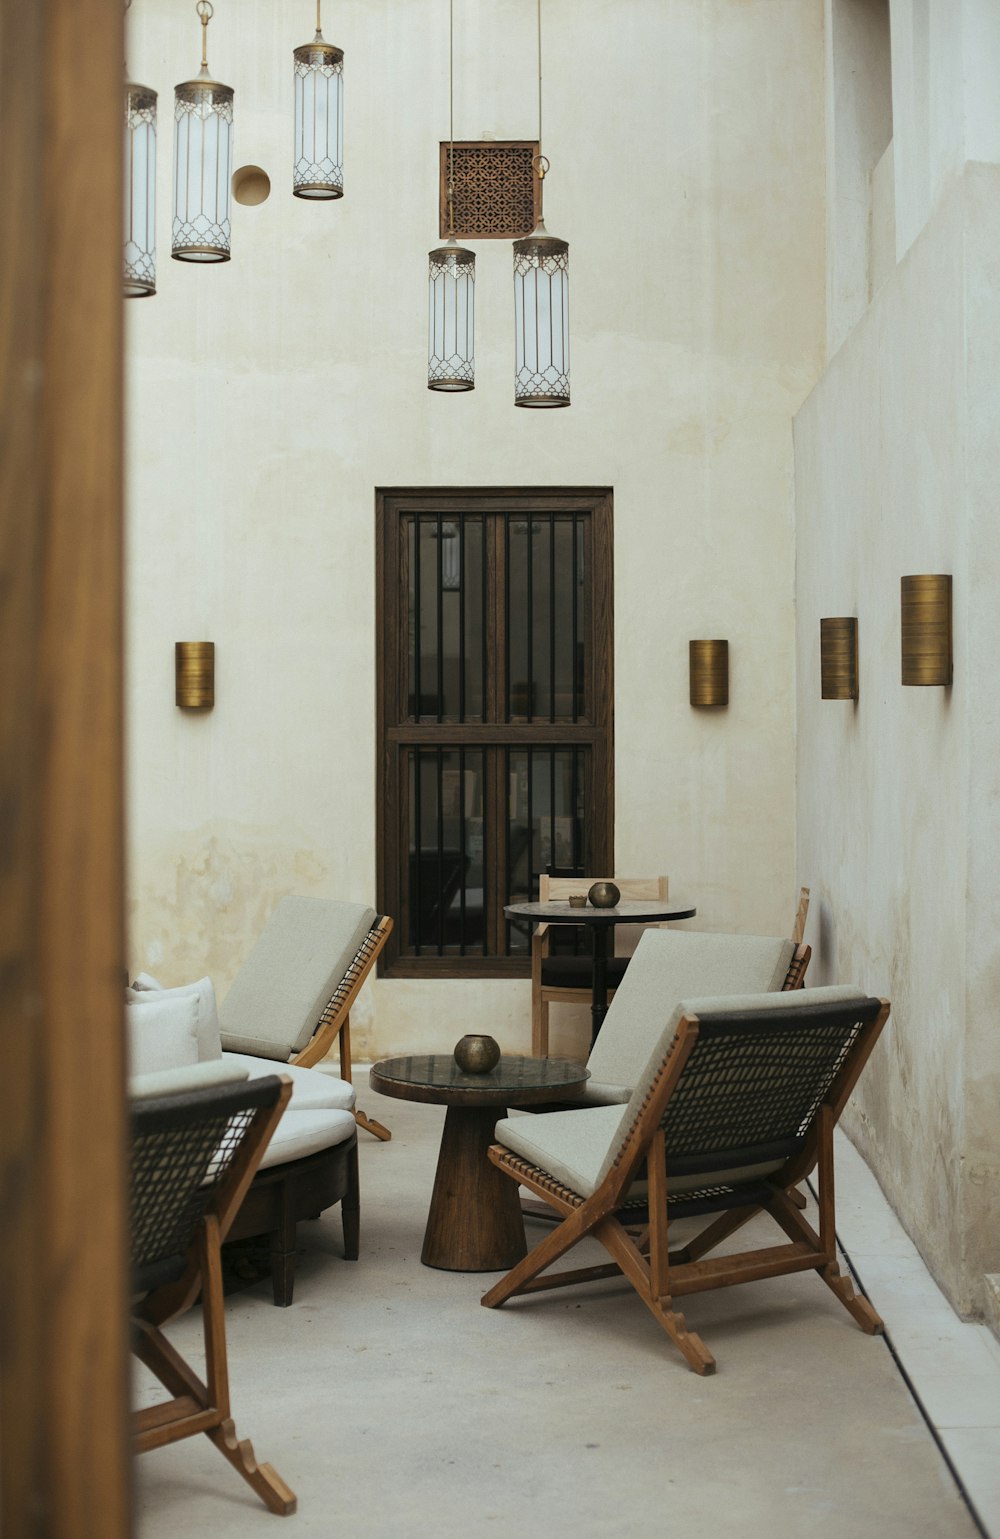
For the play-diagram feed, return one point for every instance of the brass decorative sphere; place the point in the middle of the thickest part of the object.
(604, 895)
(477, 1055)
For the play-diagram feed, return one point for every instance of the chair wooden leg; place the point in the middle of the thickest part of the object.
(378, 1129)
(262, 1478)
(857, 1307)
(208, 1402)
(283, 1255)
(637, 1270)
(539, 1027)
(548, 1250)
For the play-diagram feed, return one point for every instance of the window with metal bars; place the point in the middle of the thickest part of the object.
(494, 715)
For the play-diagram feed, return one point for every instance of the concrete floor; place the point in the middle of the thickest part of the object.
(394, 1405)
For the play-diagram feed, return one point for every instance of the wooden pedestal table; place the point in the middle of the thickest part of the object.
(474, 1223)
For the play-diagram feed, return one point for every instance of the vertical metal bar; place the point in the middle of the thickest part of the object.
(552, 806)
(530, 702)
(461, 621)
(417, 824)
(552, 617)
(508, 877)
(529, 752)
(576, 623)
(461, 844)
(506, 630)
(575, 794)
(417, 625)
(440, 619)
(440, 848)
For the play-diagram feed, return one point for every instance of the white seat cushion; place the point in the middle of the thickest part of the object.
(311, 1091)
(570, 1145)
(281, 990)
(306, 1132)
(195, 1076)
(669, 965)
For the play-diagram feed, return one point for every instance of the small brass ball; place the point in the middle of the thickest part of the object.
(604, 895)
(477, 1055)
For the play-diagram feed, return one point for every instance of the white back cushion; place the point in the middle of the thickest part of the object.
(145, 989)
(670, 965)
(280, 992)
(162, 1030)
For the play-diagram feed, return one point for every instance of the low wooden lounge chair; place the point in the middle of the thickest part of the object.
(737, 1104)
(194, 1154)
(292, 997)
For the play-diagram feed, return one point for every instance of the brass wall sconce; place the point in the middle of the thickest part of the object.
(194, 675)
(926, 629)
(709, 668)
(838, 658)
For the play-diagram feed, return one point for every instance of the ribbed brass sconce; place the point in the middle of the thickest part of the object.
(838, 658)
(709, 666)
(926, 629)
(194, 675)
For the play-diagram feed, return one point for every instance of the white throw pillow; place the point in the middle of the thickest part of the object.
(162, 1030)
(145, 990)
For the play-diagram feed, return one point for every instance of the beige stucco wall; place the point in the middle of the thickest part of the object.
(896, 454)
(269, 397)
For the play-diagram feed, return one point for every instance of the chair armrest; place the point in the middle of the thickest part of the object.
(540, 941)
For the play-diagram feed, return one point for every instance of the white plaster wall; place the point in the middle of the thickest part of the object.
(268, 398)
(898, 808)
(881, 450)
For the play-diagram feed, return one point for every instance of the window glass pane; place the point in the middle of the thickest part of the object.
(545, 832)
(426, 603)
(446, 877)
(472, 606)
(518, 630)
(447, 664)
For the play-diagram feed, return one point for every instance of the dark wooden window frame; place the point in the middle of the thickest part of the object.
(396, 734)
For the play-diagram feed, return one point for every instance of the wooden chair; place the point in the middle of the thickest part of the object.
(194, 1154)
(569, 979)
(737, 1105)
(292, 998)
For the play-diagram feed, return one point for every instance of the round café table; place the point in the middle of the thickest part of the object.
(600, 922)
(474, 1223)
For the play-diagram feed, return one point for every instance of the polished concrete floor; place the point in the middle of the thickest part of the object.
(395, 1406)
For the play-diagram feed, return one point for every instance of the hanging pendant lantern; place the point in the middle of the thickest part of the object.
(451, 279)
(541, 319)
(203, 162)
(541, 298)
(139, 250)
(451, 361)
(318, 171)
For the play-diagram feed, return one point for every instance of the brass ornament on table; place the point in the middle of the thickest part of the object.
(194, 675)
(577, 900)
(477, 1054)
(708, 663)
(604, 895)
(838, 651)
(926, 629)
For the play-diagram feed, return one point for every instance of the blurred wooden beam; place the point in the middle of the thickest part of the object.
(64, 1449)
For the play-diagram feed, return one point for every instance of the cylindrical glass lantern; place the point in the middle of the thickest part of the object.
(318, 171)
(139, 251)
(451, 347)
(541, 319)
(203, 161)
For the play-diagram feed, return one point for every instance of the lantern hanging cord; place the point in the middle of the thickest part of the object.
(206, 11)
(451, 119)
(540, 162)
(319, 29)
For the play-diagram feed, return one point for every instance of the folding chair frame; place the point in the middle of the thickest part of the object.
(195, 1406)
(660, 1276)
(335, 1022)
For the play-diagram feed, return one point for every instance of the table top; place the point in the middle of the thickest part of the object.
(517, 1080)
(634, 911)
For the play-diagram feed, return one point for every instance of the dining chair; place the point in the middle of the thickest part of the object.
(570, 979)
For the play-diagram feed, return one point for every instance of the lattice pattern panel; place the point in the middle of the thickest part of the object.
(496, 189)
(744, 1087)
(174, 1170)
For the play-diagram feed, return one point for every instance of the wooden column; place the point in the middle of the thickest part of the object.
(63, 1348)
